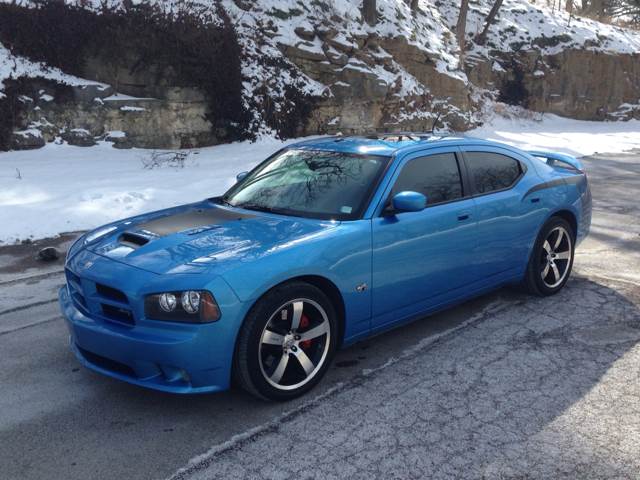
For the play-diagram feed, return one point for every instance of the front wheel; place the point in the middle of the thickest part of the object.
(552, 258)
(286, 342)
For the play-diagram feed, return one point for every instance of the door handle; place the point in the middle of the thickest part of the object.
(462, 216)
(535, 200)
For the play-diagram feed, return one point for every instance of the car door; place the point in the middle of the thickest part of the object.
(507, 222)
(419, 258)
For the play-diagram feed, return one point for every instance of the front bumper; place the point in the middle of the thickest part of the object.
(168, 357)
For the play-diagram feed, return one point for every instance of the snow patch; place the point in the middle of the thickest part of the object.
(530, 131)
(129, 108)
(14, 66)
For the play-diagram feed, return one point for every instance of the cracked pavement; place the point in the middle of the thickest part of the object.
(537, 389)
(505, 386)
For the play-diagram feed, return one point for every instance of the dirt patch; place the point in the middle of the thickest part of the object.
(21, 257)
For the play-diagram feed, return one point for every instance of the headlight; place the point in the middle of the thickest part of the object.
(191, 306)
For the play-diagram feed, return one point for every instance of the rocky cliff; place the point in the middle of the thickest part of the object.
(318, 68)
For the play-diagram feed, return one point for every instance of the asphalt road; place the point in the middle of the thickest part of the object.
(506, 386)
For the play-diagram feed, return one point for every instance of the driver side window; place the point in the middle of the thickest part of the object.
(435, 176)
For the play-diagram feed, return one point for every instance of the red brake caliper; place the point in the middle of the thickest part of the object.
(304, 323)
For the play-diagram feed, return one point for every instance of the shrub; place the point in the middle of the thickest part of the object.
(288, 114)
(52, 32)
(553, 41)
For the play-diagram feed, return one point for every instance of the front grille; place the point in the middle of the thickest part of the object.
(107, 363)
(118, 314)
(75, 289)
(99, 301)
(111, 293)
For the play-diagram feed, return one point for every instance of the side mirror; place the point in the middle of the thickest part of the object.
(409, 202)
(241, 175)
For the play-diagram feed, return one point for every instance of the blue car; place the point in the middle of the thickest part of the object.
(325, 243)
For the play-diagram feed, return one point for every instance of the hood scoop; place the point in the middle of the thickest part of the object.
(191, 221)
(133, 240)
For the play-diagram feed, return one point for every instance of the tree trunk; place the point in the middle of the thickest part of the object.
(597, 8)
(461, 26)
(482, 38)
(369, 11)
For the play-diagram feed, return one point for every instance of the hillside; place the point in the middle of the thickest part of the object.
(307, 68)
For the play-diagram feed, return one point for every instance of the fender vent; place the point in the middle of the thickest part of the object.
(133, 240)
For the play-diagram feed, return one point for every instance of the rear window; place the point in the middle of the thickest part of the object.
(492, 171)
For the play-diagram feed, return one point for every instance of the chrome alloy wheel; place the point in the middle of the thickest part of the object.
(556, 257)
(294, 344)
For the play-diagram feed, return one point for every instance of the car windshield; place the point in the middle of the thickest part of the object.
(310, 183)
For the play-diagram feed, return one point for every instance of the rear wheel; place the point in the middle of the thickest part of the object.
(552, 258)
(286, 343)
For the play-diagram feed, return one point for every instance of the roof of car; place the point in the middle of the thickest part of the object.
(386, 144)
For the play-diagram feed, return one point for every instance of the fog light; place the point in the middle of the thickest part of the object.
(174, 374)
(168, 302)
(191, 301)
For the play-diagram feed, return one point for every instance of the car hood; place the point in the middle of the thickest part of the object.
(197, 237)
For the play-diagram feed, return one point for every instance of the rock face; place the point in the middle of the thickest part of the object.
(581, 84)
(176, 121)
(27, 140)
(78, 137)
(360, 101)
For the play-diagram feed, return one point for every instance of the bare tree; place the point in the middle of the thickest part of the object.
(369, 11)
(482, 37)
(461, 26)
(569, 9)
(596, 9)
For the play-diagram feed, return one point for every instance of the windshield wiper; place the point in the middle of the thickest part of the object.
(221, 200)
(257, 207)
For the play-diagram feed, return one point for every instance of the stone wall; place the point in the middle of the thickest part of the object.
(176, 121)
(359, 101)
(581, 84)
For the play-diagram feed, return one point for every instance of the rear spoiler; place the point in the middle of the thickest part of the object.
(558, 160)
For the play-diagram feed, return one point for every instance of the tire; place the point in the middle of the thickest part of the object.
(274, 358)
(551, 260)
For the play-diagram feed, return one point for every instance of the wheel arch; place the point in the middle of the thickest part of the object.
(333, 292)
(329, 288)
(567, 215)
(563, 213)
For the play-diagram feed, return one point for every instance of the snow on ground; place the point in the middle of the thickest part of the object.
(62, 188)
(565, 135)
